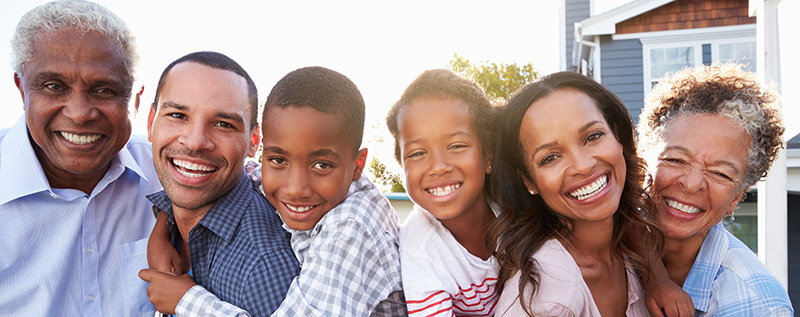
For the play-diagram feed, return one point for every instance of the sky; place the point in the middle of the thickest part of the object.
(379, 45)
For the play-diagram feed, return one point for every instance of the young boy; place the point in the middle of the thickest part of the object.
(344, 232)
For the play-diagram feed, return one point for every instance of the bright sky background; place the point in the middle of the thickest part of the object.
(379, 45)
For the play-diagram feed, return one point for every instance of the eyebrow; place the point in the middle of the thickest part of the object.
(223, 115)
(324, 153)
(717, 162)
(449, 136)
(275, 149)
(554, 143)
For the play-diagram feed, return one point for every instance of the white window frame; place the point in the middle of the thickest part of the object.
(690, 37)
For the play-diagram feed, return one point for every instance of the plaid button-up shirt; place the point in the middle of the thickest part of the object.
(239, 250)
(727, 279)
(350, 264)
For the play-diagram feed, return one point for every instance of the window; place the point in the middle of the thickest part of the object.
(664, 61)
(740, 52)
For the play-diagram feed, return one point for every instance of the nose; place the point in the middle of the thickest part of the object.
(296, 183)
(196, 137)
(80, 108)
(692, 180)
(440, 164)
(583, 162)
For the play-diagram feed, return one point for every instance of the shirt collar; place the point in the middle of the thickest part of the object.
(223, 218)
(704, 270)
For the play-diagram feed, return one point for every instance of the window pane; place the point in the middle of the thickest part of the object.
(746, 229)
(669, 60)
(744, 52)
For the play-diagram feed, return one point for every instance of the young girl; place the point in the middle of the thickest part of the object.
(572, 185)
(443, 127)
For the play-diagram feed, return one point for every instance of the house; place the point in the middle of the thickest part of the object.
(630, 47)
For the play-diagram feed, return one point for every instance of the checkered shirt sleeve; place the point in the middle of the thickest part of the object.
(198, 302)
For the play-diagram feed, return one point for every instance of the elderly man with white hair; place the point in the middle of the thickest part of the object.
(74, 219)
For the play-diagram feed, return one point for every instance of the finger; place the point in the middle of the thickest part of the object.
(653, 307)
(146, 275)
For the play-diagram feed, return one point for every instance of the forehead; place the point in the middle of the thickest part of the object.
(72, 52)
(303, 130)
(431, 114)
(562, 110)
(709, 136)
(204, 87)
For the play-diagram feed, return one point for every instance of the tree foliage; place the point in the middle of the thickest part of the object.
(385, 177)
(498, 80)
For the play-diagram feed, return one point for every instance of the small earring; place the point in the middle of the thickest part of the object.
(533, 192)
(727, 220)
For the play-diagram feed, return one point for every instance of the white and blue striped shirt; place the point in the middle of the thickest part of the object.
(66, 253)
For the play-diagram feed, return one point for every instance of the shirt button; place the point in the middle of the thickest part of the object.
(89, 250)
(91, 298)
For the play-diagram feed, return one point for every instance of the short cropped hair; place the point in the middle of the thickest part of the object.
(723, 89)
(323, 90)
(444, 83)
(85, 16)
(218, 61)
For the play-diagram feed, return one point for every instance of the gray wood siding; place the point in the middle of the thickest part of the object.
(621, 63)
(575, 11)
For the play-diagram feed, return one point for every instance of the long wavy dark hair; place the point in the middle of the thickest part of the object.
(526, 221)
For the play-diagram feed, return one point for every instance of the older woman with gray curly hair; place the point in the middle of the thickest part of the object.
(708, 134)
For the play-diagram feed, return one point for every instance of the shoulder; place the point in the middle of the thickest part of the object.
(366, 206)
(420, 226)
(140, 149)
(743, 277)
(262, 227)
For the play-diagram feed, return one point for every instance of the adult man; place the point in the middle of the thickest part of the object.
(203, 125)
(75, 219)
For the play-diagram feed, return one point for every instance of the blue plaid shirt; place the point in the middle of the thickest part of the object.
(239, 250)
(727, 279)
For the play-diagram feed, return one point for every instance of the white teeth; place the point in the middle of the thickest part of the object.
(441, 191)
(80, 139)
(190, 169)
(590, 190)
(681, 207)
(300, 208)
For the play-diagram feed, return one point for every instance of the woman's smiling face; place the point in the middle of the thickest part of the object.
(698, 173)
(573, 158)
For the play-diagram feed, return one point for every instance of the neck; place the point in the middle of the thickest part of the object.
(186, 219)
(470, 228)
(592, 239)
(59, 178)
(679, 257)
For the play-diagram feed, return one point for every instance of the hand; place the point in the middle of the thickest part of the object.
(161, 255)
(166, 290)
(665, 298)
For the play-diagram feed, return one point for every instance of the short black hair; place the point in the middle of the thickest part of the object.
(218, 61)
(444, 83)
(323, 90)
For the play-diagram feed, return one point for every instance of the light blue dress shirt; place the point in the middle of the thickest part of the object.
(65, 253)
(727, 279)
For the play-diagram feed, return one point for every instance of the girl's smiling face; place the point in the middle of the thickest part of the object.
(444, 164)
(574, 160)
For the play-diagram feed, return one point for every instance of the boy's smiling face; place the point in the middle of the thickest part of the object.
(308, 164)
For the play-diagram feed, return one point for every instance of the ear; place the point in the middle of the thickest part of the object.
(734, 203)
(529, 184)
(255, 141)
(18, 83)
(150, 118)
(488, 158)
(361, 162)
